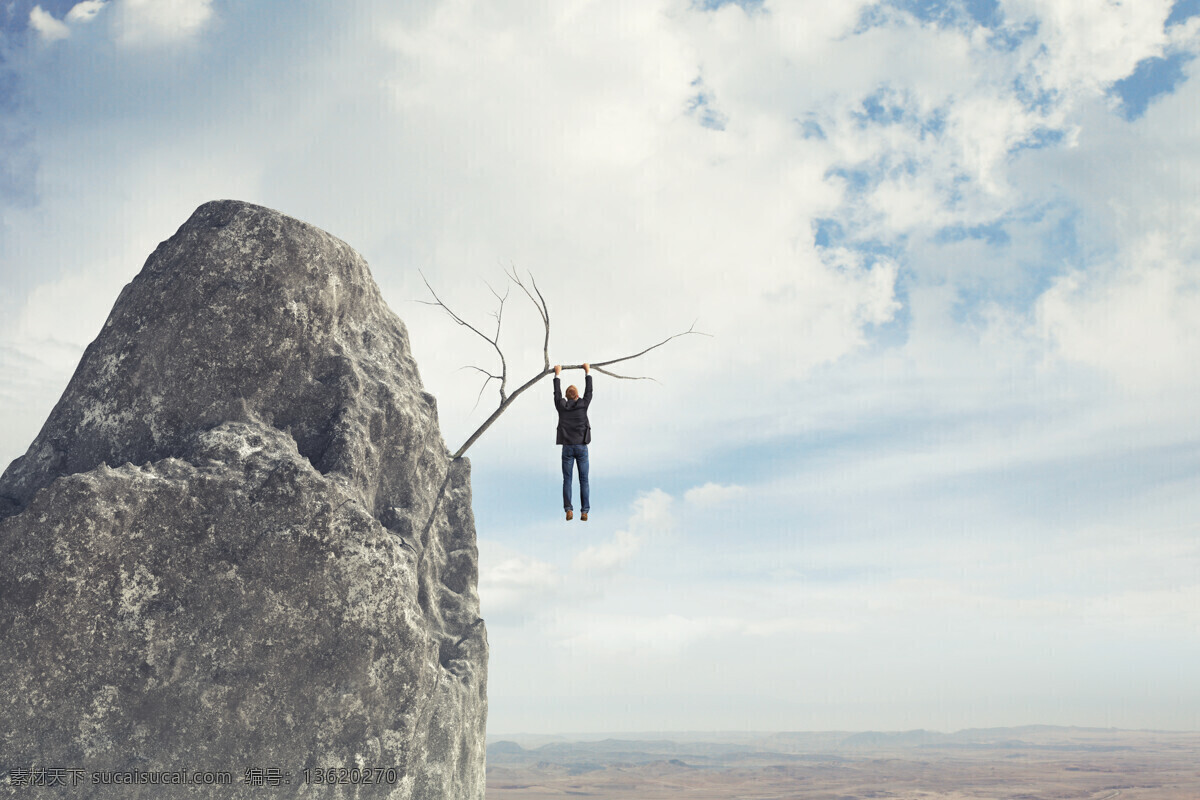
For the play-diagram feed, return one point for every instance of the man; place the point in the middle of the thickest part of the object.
(574, 434)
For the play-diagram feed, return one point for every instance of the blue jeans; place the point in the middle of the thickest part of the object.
(572, 454)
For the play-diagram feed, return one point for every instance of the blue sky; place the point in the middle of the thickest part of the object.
(937, 465)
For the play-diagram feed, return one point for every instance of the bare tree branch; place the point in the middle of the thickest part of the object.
(543, 310)
(499, 410)
(490, 378)
(480, 369)
(539, 302)
(691, 330)
(624, 377)
(493, 341)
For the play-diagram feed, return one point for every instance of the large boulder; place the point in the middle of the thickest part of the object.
(239, 543)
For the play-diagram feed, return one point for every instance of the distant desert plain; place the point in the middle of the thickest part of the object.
(1027, 763)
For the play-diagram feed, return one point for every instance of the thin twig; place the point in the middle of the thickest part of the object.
(625, 377)
(543, 311)
(689, 331)
(479, 369)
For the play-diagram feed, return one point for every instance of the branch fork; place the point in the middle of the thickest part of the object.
(535, 296)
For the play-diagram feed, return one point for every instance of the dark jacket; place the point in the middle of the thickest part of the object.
(573, 425)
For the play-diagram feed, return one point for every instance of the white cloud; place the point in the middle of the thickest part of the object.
(49, 28)
(800, 625)
(618, 635)
(1136, 323)
(511, 583)
(497, 112)
(152, 22)
(1085, 45)
(85, 11)
(615, 553)
(713, 494)
(651, 517)
(614, 635)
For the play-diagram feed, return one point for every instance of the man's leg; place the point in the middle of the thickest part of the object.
(568, 465)
(581, 454)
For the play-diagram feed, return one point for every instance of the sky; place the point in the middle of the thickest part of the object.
(936, 463)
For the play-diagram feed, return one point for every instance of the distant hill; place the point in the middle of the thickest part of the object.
(617, 751)
(875, 739)
(718, 749)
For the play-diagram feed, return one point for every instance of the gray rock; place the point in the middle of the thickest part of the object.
(239, 542)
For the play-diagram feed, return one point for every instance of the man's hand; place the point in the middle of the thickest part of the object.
(586, 369)
(557, 370)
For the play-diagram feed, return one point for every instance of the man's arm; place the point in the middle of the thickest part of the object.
(557, 387)
(587, 389)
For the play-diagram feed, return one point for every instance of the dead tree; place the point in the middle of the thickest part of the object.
(539, 302)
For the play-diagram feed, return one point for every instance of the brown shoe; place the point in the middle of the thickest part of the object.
(569, 514)
(583, 516)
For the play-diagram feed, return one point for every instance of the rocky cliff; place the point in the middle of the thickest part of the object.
(239, 544)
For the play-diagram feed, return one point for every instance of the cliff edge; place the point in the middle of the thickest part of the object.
(239, 543)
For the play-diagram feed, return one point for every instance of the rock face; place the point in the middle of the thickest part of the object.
(239, 542)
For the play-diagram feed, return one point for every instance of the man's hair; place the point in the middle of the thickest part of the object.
(572, 392)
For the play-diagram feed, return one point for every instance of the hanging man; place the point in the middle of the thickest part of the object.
(574, 434)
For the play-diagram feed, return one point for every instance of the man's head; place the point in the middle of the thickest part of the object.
(572, 392)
